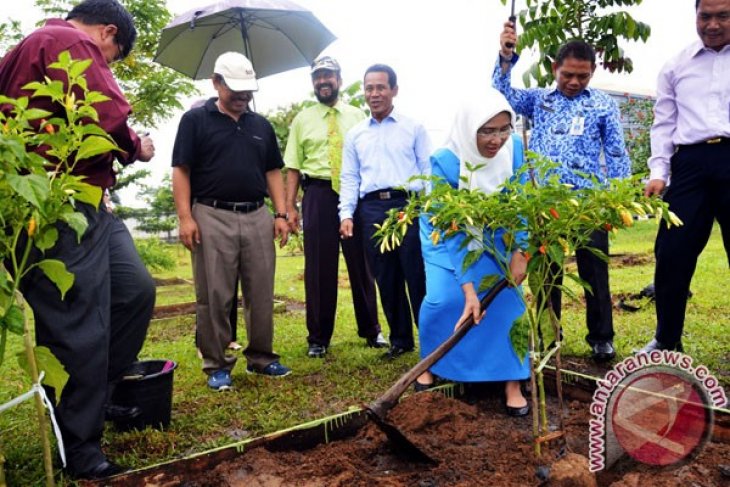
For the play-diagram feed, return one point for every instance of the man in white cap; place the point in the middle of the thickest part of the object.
(225, 162)
(313, 156)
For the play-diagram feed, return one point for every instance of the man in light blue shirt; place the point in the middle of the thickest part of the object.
(574, 125)
(380, 155)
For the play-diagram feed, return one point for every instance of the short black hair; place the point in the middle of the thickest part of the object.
(105, 12)
(384, 68)
(697, 4)
(576, 49)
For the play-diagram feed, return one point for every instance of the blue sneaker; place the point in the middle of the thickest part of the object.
(220, 380)
(274, 369)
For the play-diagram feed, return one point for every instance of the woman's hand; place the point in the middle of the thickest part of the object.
(472, 307)
(518, 267)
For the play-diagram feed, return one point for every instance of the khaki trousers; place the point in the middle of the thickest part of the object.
(234, 245)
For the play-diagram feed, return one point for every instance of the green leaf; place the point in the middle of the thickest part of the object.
(46, 238)
(93, 146)
(78, 67)
(488, 282)
(56, 271)
(86, 193)
(519, 335)
(77, 222)
(581, 282)
(31, 187)
(55, 374)
(13, 320)
(36, 113)
(471, 257)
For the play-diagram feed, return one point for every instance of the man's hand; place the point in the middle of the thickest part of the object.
(147, 151)
(508, 35)
(189, 233)
(654, 187)
(346, 228)
(292, 218)
(281, 230)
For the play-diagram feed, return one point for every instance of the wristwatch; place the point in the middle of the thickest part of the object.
(283, 216)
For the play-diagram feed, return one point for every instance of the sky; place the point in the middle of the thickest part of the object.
(441, 50)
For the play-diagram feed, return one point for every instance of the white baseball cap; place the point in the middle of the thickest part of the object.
(237, 71)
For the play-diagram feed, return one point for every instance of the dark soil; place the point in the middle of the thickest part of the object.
(475, 443)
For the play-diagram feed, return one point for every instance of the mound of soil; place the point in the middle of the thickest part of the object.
(475, 443)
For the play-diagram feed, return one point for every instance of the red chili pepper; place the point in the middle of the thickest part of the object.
(542, 249)
(607, 226)
(554, 213)
(401, 216)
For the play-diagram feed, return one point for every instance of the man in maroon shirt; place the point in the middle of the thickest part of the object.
(98, 329)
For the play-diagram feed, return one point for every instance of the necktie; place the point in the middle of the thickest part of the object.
(334, 147)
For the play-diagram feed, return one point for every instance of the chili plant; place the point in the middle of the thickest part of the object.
(38, 193)
(547, 221)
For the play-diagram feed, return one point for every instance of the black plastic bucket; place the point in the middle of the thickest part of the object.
(147, 385)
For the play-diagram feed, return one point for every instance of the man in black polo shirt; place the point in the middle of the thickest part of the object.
(225, 162)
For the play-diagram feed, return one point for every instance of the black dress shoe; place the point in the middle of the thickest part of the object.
(115, 412)
(420, 387)
(103, 470)
(395, 352)
(603, 351)
(316, 351)
(378, 341)
(518, 412)
(657, 345)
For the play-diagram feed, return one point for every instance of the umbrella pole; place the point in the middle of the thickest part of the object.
(246, 47)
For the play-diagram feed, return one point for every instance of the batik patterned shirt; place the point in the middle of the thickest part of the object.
(574, 132)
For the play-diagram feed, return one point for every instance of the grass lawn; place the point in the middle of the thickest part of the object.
(351, 374)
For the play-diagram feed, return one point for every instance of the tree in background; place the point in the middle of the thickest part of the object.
(637, 115)
(547, 24)
(154, 91)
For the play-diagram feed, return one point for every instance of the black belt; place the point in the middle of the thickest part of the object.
(710, 142)
(237, 207)
(386, 194)
(310, 181)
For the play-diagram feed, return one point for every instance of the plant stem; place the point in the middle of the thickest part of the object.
(558, 376)
(533, 388)
(39, 406)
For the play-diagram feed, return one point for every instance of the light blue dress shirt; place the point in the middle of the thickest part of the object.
(380, 155)
(571, 131)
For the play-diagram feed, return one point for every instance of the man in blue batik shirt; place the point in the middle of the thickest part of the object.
(573, 125)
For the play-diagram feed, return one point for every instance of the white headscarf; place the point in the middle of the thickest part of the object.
(462, 141)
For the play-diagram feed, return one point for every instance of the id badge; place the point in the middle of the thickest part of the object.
(577, 125)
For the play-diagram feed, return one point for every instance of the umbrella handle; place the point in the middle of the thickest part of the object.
(512, 19)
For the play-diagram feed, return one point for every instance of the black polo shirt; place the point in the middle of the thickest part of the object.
(228, 160)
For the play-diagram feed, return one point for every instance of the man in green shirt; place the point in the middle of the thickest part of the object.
(313, 156)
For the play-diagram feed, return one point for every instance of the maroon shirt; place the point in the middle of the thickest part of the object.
(28, 62)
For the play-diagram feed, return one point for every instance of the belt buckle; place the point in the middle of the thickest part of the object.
(716, 140)
(384, 195)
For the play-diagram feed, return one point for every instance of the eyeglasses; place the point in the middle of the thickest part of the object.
(120, 51)
(489, 133)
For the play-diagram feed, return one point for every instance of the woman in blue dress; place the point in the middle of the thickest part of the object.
(480, 136)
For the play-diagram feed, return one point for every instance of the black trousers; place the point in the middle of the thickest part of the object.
(395, 270)
(97, 330)
(699, 193)
(322, 242)
(599, 307)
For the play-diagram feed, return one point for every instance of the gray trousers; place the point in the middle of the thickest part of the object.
(97, 330)
(234, 245)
